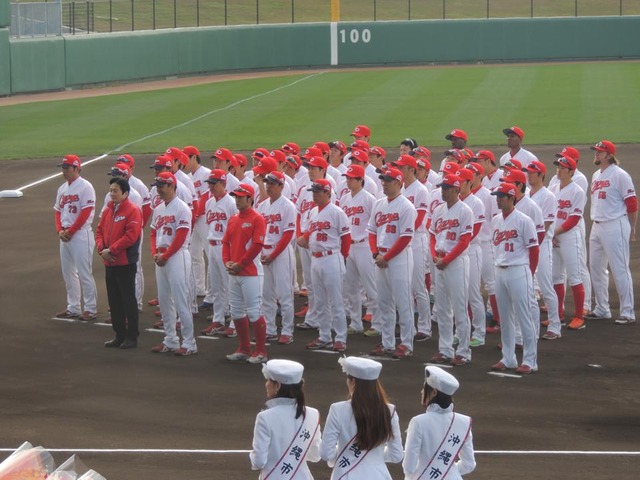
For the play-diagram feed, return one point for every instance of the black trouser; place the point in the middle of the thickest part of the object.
(121, 290)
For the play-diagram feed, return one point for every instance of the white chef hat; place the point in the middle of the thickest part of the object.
(283, 371)
(362, 368)
(441, 380)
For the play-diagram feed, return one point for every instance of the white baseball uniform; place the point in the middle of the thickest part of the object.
(182, 192)
(280, 217)
(492, 181)
(488, 274)
(525, 157)
(474, 252)
(512, 237)
(448, 225)
(197, 247)
(139, 186)
(389, 221)
(76, 255)
(609, 239)
(173, 279)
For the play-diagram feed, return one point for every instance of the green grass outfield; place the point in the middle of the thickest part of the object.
(553, 103)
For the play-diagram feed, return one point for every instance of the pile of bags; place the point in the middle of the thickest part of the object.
(35, 463)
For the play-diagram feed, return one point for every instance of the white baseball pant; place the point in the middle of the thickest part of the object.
(76, 259)
(327, 274)
(278, 285)
(419, 246)
(361, 270)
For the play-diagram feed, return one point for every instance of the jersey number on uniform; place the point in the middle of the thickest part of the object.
(391, 229)
(322, 237)
(508, 247)
(274, 229)
(167, 231)
(451, 236)
(73, 209)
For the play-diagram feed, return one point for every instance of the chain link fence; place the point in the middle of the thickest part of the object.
(99, 16)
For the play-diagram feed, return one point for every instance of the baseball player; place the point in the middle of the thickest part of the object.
(407, 145)
(360, 158)
(418, 195)
(329, 240)
(377, 156)
(487, 160)
(515, 137)
(474, 252)
(515, 249)
(566, 240)
(74, 210)
(223, 159)
(218, 210)
(546, 200)
(451, 231)
(278, 258)
(391, 229)
(241, 246)
(361, 132)
(198, 175)
(264, 167)
(180, 160)
(239, 170)
(614, 211)
(458, 139)
(360, 269)
(336, 156)
(170, 236)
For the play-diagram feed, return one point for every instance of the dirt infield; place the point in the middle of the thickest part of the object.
(62, 389)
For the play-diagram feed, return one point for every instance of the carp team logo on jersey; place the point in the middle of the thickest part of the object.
(384, 218)
(273, 218)
(315, 226)
(504, 235)
(165, 220)
(442, 224)
(66, 199)
(306, 205)
(351, 211)
(564, 204)
(600, 184)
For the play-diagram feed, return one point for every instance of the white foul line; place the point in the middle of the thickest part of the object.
(223, 452)
(175, 127)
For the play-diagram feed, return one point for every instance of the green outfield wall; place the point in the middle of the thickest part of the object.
(58, 62)
(5, 14)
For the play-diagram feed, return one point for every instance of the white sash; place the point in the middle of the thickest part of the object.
(448, 450)
(293, 456)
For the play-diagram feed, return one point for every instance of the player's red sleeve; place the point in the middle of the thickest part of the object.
(285, 240)
(132, 231)
(476, 230)
(420, 218)
(632, 204)
(152, 242)
(196, 210)
(400, 244)
(146, 214)
(432, 245)
(252, 252)
(298, 229)
(428, 223)
(178, 240)
(460, 247)
(541, 236)
(373, 243)
(58, 218)
(81, 220)
(345, 245)
(570, 222)
(534, 254)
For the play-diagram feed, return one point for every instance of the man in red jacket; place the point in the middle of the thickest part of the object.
(118, 241)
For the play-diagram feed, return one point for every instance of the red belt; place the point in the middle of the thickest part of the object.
(268, 247)
(383, 250)
(162, 249)
(215, 243)
(359, 241)
(322, 254)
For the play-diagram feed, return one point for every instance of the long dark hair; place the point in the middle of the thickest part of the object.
(442, 399)
(371, 412)
(295, 391)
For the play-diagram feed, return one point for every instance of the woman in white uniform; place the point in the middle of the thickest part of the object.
(362, 433)
(287, 432)
(436, 438)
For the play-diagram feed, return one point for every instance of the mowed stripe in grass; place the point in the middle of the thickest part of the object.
(554, 103)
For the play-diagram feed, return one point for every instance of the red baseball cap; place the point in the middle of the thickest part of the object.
(259, 153)
(361, 131)
(216, 175)
(450, 181)
(457, 154)
(354, 171)
(505, 189)
(175, 153)
(360, 156)
(291, 147)
(536, 167)
(391, 174)
(264, 166)
(360, 145)
(71, 161)
(243, 190)
(191, 150)
(126, 158)
(515, 130)
(451, 168)
(275, 177)
(378, 151)
(324, 147)
(311, 152)
(339, 145)
(605, 146)
(485, 154)
(566, 162)
(424, 163)
(569, 151)
(320, 185)
(278, 155)
(294, 161)
(120, 169)
(407, 160)
(475, 168)
(162, 161)
(223, 154)
(457, 134)
(513, 163)
(164, 178)
(240, 159)
(465, 174)
(512, 176)
(317, 161)
(421, 151)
